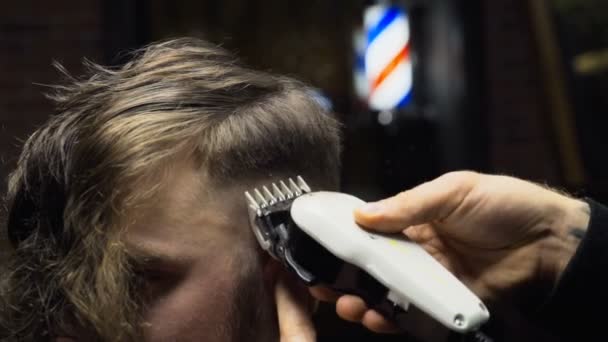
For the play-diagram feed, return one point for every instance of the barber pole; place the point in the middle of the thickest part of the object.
(388, 66)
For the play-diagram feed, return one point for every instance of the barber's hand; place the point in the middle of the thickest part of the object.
(293, 309)
(495, 233)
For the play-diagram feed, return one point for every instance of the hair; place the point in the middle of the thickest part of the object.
(79, 174)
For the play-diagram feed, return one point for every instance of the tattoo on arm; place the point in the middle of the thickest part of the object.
(578, 233)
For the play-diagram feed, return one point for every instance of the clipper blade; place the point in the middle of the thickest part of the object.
(266, 207)
(270, 220)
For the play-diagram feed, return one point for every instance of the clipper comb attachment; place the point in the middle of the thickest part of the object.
(261, 200)
(270, 219)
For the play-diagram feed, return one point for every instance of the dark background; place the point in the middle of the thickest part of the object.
(504, 86)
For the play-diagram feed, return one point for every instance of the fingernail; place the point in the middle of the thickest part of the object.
(371, 208)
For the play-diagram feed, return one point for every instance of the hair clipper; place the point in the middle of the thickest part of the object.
(314, 235)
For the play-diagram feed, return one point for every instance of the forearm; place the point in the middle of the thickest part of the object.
(570, 222)
(574, 308)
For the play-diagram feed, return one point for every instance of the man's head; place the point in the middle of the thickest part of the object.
(126, 208)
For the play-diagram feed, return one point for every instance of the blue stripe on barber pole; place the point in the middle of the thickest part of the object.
(389, 16)
(405, 100)
(360, 62)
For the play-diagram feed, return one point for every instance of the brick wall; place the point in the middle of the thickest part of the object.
(32, 35)
(519, 130)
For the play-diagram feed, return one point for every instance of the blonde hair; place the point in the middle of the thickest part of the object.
(79, 174)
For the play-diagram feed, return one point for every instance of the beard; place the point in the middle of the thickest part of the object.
(252, 313)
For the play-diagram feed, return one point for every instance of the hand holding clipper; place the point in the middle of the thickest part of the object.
(315, 236)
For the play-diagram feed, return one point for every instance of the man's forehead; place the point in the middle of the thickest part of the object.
(186, 189)
(189, 214)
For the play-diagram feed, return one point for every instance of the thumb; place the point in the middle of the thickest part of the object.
(295, 324)
(428, 202)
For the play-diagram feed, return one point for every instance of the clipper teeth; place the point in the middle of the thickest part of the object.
(260, 198)
(271, 199)
(278, 192)
(302, 184)
(286, 191)
(294, 186)
(251, 200)
(281, 192)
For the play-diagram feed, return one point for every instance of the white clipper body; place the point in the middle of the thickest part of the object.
(405, 268)
(314, 234)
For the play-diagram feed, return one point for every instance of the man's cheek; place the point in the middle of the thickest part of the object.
(196, 307)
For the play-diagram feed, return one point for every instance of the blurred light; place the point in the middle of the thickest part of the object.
(385, 117)
(592, 62)
(321, 99)
(359, 78)
(388, 66)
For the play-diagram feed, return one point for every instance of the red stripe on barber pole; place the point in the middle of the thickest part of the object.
(388, 69)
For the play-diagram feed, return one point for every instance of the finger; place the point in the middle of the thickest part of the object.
(295, 324)
(324, 294)
(375, 322)
(420, 233)
(351, 308)
(428, 202)
(427, 238)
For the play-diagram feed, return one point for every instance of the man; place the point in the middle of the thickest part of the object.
(126, 209)
(127, 215)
